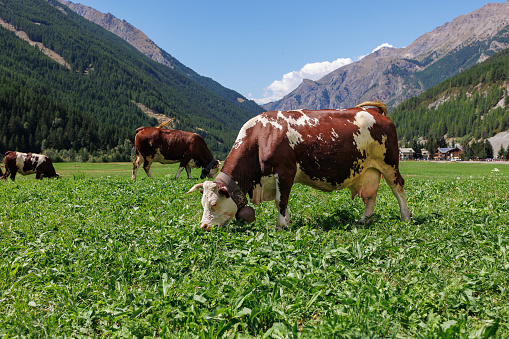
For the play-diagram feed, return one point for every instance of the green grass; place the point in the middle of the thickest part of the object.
(96, 255)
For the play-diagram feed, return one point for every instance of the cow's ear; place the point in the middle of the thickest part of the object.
(224, 192)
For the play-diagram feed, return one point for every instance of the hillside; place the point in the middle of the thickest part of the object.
(66, 83)
(396, 74)
(141, 42)
(471, 105)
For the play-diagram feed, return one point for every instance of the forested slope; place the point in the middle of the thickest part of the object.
(93, 105)
(470, 105)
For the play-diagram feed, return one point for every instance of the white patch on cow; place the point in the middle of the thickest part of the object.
(334, 134)
(251, 123)
(363, 138)
(302, 121)
(159, 157)
(293, 136)
(36, 160)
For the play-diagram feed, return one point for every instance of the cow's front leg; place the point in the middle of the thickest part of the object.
(283, 188)
(178, 172)
(184, 164)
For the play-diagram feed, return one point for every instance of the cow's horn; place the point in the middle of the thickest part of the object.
(195, 187)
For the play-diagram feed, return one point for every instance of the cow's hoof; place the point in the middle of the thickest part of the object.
(365, 220)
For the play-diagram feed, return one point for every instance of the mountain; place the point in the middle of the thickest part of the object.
(141, 42)
(395, 74)
(472, 105)
(67, 83)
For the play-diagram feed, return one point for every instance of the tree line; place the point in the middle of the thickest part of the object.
(471, 106)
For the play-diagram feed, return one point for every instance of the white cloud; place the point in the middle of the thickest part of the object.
(292, 80)
(313, 71)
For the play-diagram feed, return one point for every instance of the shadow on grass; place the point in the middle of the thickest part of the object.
(422, 219)
(339, 219)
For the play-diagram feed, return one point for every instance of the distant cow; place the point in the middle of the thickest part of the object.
(28, 163)
(327, 150)
(169, 146)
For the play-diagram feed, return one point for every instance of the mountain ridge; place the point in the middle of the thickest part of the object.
(145, 45)
(395, 74)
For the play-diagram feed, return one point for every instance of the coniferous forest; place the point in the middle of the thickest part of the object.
(91, 107)
(472, 105)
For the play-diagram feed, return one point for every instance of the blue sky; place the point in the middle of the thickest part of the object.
(263, 49)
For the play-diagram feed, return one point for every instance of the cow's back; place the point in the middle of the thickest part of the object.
(326, 145)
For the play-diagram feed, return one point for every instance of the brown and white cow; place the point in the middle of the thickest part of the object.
(28, 163)
(327, 150)
(169, 146)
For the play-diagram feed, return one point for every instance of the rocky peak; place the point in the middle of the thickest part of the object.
(121, 28)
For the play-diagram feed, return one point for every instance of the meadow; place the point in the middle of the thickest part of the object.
(95, 255)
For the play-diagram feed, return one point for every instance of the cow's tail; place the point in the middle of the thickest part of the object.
(378, 104)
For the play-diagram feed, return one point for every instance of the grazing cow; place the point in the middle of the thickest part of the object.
(28, 163)
(327, 150)
(169, 146)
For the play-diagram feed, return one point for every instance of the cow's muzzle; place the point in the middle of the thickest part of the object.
(205, 227)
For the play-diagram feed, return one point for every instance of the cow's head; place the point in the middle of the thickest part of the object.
(218, 206)
(211, 170)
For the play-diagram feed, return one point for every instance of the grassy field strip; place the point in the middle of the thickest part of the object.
(96, 255)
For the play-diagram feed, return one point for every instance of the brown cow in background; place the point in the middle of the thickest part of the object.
(169, 146)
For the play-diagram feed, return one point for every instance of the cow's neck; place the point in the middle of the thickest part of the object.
(203, 160)
(244, 168)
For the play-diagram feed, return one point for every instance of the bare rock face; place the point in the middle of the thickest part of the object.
(121, 28)
(396, 74)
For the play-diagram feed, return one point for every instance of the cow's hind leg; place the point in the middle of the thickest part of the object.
(10, 171)
(147, 162)
(370, 208)
(184, 164)
(396, 183)
(136, 164)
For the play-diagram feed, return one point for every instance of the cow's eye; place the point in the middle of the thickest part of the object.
(214, 204)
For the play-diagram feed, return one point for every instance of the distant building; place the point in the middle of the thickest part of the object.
(448, 153)
(425, 153)
(406, 153)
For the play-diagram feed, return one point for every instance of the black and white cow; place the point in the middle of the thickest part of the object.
(28, 163)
